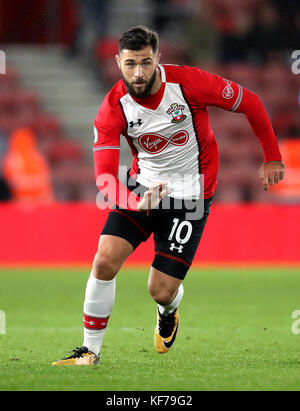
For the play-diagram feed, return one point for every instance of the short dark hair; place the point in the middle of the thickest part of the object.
(137, 38)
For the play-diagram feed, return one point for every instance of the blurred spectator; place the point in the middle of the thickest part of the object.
(254, 31)
(5, 192)
(234, 43)
(93, 25)
(161, 13)
(25, 169)
(265, 39)
(37, 21)
(231, 21)
(171, 18)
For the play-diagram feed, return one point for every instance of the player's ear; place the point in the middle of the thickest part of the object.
(117, 57)
(158, 57)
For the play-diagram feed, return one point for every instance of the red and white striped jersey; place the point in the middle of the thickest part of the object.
(169, 132)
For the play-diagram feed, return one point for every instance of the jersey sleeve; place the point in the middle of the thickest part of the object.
(207, 89)
(108, 127)
(253, 108)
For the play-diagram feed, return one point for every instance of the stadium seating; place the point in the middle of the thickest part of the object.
(9, 81)
(21, 107)
(240, 152)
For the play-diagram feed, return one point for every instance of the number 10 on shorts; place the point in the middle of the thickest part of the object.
(176, 231)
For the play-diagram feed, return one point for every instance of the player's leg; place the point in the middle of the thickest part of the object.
(167, 292)
(111, 254)
(120, 236)
(164, 290)
(99, 298)
(176, 237)
(100, 290)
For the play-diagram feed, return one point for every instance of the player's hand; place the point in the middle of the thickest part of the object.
(271, 173)
(153, 196)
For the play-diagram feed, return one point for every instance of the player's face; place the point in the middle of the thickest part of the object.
(138, 69)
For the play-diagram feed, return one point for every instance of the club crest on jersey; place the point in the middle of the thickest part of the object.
(228, 92)
(176, 110)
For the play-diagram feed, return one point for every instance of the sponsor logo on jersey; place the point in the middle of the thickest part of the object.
(155, 143)
(176, 111)
(137, 123)
(228, 92)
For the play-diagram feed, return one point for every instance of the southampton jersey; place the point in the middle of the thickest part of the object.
(169, 133)
(165, 141)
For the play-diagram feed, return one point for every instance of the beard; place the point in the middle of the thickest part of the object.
(143, 93)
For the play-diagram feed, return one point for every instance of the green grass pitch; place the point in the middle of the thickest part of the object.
(235, 332)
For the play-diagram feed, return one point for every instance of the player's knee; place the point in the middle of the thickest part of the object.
(104, 267)
(162, 296)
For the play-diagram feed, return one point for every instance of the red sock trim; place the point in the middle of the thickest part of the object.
(93, 323)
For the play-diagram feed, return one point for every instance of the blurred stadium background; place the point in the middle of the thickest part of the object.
(60, 64)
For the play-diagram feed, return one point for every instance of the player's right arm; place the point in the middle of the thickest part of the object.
(108, 126)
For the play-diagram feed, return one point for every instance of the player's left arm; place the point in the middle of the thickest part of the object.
(272, 170)
(233, 97)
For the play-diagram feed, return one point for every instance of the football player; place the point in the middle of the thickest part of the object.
(162, 112)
